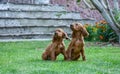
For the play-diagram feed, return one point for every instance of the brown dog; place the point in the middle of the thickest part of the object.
(56, 47)
(76, 47)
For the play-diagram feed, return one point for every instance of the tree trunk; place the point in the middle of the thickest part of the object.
(116, 4)
(86, 3)
(119, 38)
(103, 3)
(106, 16)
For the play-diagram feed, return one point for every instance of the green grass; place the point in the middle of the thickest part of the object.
(25, 58)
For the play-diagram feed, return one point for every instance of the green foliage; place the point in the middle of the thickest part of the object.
(101, 31)
(106, 33)
(25, 58)
(92, 33)
(117, 15)
(78, 0)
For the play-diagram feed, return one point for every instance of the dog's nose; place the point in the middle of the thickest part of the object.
(55, 33)
(71, 25)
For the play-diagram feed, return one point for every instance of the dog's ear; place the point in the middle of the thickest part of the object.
(84, 31)
(66, 36)
(54, 38)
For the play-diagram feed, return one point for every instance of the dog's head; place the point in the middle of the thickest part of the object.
(59, 33)
(78, 27)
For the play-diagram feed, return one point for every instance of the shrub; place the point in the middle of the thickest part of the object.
(92, 32)
(105, 33)
(101, 31)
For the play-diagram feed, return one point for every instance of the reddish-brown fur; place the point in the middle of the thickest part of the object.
(56, 47)
(76, 46)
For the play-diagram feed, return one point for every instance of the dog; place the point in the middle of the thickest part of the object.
(57, 46)
(76, 46)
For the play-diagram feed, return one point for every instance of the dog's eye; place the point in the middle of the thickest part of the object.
(58, 30)
(76, 24)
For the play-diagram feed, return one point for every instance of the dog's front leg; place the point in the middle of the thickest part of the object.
(53, 57)
(64, 53)
(70, 54)
(83, 54)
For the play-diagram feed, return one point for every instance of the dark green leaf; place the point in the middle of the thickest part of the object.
(78, 0)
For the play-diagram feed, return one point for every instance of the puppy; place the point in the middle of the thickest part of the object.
(56, 47)
(76, 46)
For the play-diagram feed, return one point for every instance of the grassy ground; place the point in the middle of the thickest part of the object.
(25, 58)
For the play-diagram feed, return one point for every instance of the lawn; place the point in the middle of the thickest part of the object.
(25, 58)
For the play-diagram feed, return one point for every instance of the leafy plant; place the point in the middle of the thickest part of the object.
(78, 0)
(101, 31)
(117, 15)
(92, 32)
(105, 33)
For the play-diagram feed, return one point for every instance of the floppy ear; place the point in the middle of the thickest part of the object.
(54, 38)
(66, 36)
(73, 34)
(84, 31)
